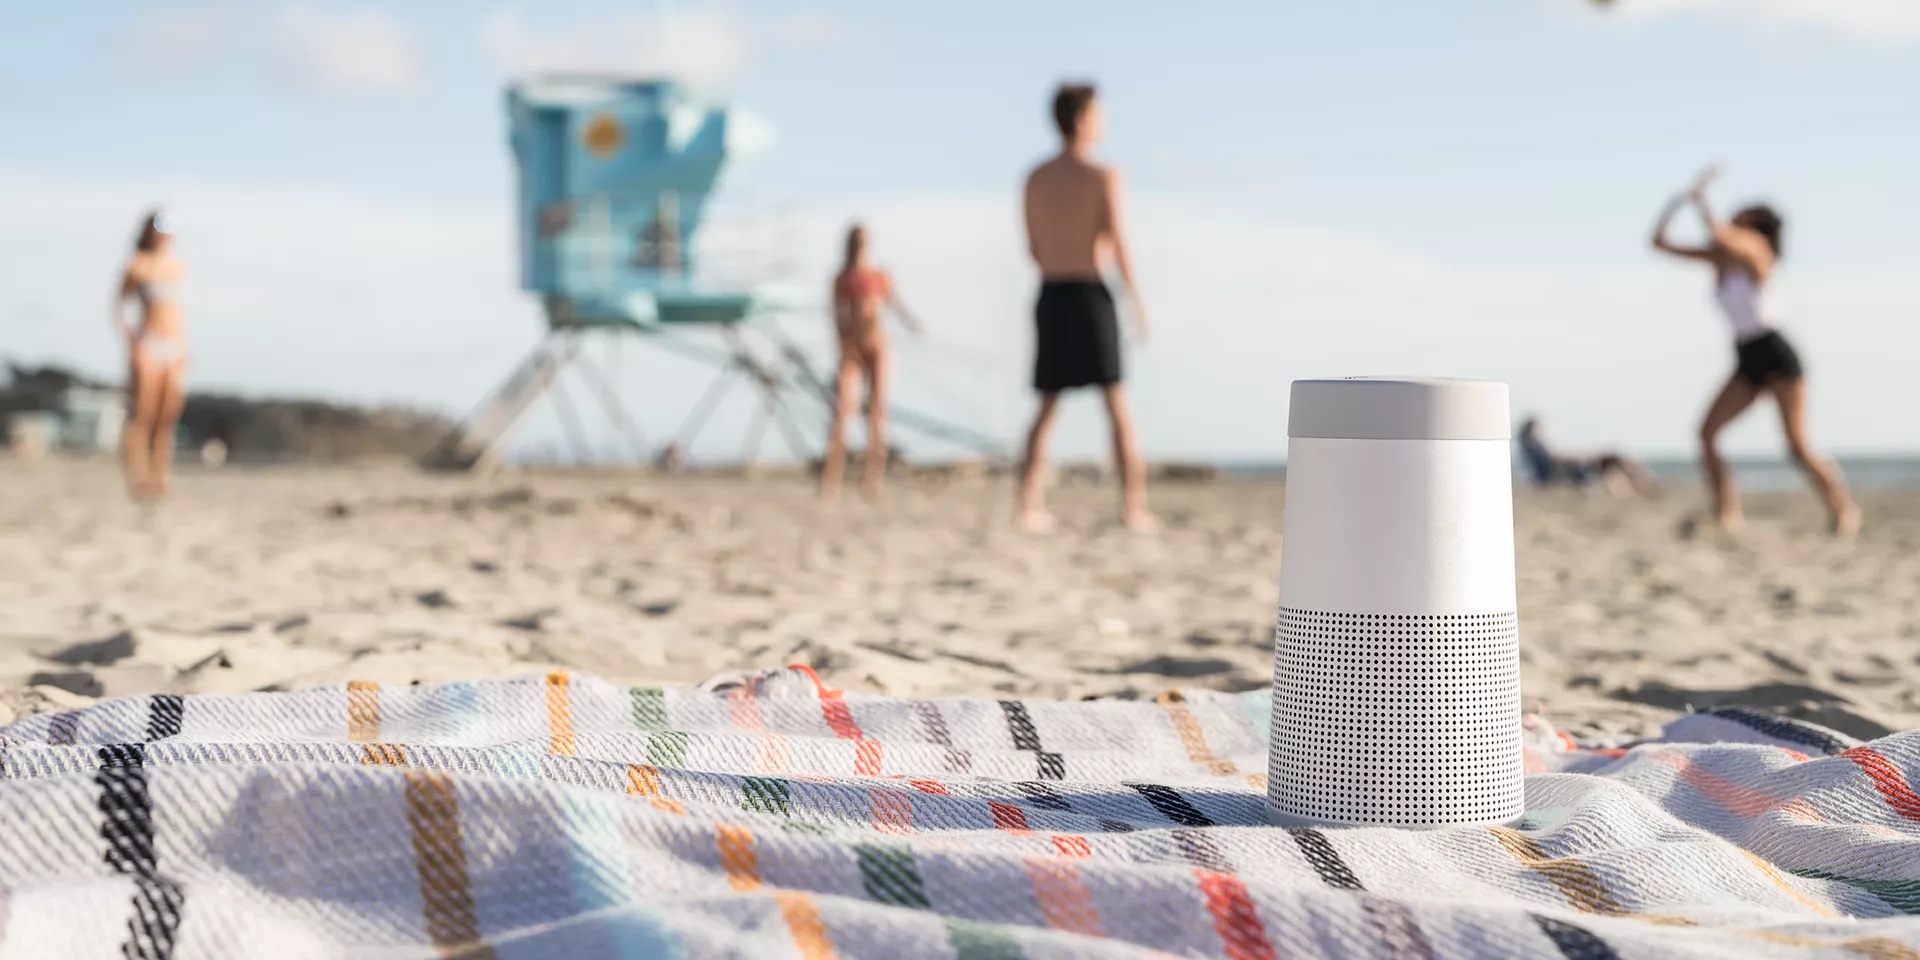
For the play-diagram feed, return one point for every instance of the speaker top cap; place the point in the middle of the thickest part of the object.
(1399, 408)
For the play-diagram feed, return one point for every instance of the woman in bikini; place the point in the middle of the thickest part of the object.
(860, 291)
(156, 357)
(1744, 253)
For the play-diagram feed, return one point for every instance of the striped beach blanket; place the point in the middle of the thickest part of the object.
(562, 816)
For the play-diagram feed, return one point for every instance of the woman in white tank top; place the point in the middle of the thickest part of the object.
(1744, 254)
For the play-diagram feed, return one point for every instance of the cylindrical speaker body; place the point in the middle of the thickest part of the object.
(1396, 697)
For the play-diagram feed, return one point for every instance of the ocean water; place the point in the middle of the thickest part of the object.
(1752, 474)
(1863, 473)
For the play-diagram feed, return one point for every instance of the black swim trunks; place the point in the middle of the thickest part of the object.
(1077, 336)
(1766, 358)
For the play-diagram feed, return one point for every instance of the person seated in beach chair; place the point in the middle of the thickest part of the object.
(1621, 475)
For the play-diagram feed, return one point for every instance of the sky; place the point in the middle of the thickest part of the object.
(1461, 188)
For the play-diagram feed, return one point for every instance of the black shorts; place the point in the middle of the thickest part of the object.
(1077, 336)
(1766, 358)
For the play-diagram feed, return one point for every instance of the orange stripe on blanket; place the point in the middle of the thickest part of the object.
(1065, 902)
(737, 858)
(1873, 948)
(772, 755)
(560, 738)
(805, 926)
(1575, 880)
(1779, 880)
(383, 755)
(1881, 948)
(1072, 845)
(363, 711)
(1192, 736)
(1729, 794)
(440, 859)
(745, 708)
(1073, 907)
(1738, 799)
(644, 781)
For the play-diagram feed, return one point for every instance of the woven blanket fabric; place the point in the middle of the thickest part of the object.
(567, 817)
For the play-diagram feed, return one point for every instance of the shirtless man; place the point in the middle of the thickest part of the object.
(1073, 223)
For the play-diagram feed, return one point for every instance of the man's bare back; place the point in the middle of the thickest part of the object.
(1069, 206)
(1073, 224)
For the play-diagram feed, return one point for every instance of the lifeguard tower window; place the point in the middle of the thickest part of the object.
(614, 182)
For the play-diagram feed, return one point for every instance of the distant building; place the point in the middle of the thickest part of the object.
(48, 408)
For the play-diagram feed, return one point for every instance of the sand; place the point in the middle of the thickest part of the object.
(277, 579)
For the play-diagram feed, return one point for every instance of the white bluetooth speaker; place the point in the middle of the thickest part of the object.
(1396, 687)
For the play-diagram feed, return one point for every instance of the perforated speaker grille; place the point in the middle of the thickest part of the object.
(1396, 720)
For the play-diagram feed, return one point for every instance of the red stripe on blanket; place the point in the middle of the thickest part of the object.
(1234, 917)
(1887, 779)
(1008, 817)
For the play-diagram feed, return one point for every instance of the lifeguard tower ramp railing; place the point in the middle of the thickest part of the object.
(616, 181)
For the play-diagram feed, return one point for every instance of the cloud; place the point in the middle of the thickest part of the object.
(305, 46)
(348, 51)
(1873, 21)
(177, 43)
(813, 30)
(705, 48)
(709, 47)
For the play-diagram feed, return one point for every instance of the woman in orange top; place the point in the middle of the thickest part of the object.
(859, 292)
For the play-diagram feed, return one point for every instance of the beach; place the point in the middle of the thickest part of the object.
(269, 579)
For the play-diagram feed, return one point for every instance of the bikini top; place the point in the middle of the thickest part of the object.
(863, 285)
(151, 292)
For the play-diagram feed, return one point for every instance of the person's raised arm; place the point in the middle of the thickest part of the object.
(1122, 258)
(1695, 194)
(1665, 245)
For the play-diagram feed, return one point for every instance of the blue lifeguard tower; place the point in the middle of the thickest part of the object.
(615, 181)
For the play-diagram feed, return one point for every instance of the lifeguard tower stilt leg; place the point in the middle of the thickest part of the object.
(474, 443)
(477, 442)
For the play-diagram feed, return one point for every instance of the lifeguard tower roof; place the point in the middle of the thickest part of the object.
(614, 178)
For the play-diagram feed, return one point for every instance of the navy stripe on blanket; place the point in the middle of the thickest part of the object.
(126, 824)
(1026, 736)
(1782, 729)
